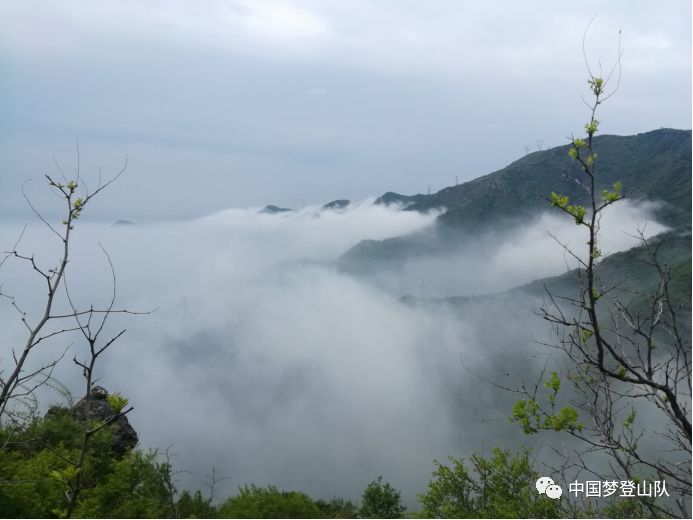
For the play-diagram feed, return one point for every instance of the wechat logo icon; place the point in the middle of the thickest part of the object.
(546, 485)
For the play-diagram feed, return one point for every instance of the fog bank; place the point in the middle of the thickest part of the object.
(265, 361)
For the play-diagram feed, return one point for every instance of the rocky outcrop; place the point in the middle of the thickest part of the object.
(124, 436)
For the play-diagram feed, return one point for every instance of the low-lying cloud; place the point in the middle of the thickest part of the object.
(519, 253)
(265, 361)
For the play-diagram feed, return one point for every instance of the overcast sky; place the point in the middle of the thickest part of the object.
(242, 103)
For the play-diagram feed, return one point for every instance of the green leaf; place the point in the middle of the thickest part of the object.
(117, 402)
(565, 420)
(554, 383)
(558, 200)
(592, 127)
(526, 412)
(628, 423)
(578, 213)
(586, 335)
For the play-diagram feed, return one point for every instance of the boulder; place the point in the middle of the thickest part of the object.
(124, 436)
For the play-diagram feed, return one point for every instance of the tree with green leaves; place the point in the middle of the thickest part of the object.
(337, 508)
(381, 500)
(623, 353)
(269, 502)
(37, 468)
(502, 486)
(194, 505)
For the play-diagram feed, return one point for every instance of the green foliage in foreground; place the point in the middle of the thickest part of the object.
(258, 502)
(381, 500)
(34, 467)
(502, 486)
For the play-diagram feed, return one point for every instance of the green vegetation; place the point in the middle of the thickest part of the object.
(268, 502)
(381, 500)
(33, 471)
(498, 487)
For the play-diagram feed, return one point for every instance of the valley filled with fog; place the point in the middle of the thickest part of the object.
(443, 243)
(264, 359)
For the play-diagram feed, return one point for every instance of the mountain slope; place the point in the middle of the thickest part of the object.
(629, 272)
(655, 166)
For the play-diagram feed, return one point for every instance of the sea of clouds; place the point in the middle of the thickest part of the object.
(266, 361)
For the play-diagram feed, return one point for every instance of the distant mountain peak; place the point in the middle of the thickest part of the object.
(271, 209)
(395, 198)
(649, 165)
(337, 204)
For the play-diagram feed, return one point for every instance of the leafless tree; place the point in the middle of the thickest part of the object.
(16, 382)
(91, 329)
(90, 323)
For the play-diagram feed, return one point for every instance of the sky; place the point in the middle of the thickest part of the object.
(238, 103)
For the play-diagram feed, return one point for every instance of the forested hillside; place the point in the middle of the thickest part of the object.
(653, 166)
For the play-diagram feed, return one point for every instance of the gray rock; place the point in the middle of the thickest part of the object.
(124, 436)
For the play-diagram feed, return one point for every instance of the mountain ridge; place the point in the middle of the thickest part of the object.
(654, 165)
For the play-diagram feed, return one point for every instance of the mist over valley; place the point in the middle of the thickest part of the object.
(318, 259)
(273, 360)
